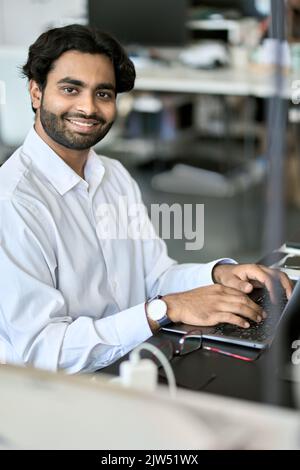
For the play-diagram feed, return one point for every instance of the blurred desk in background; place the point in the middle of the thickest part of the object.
(220, 81)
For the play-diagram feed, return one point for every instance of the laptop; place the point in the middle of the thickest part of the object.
(258, 335)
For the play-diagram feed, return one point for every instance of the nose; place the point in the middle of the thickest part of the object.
(86, 104)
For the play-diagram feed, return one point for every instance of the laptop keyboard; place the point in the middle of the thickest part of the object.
(259, 332)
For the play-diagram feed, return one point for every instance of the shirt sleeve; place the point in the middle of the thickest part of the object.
(35, 323)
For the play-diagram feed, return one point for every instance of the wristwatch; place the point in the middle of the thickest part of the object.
(156, 309)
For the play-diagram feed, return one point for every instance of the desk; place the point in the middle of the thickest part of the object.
(246, 82)
(220, 375)
(222, 81)
(230, 377)
(214, 373)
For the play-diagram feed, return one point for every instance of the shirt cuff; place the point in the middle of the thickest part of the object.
(213, 264)
(132, 327)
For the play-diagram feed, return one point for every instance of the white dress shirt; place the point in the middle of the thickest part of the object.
(70, 297)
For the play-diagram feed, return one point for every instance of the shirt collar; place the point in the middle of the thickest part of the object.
(61, 175)
(93, 171)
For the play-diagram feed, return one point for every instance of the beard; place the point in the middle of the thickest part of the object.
(56, 128)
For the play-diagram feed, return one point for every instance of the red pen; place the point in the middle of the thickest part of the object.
(226, 353)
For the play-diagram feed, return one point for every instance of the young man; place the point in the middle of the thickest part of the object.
(71, 296)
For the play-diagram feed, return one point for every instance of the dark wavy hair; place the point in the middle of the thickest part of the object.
(54, 42)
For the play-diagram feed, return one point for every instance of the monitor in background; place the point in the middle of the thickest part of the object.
(141, 23)
(244, 7)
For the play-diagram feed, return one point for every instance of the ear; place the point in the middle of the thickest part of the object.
(35, 94)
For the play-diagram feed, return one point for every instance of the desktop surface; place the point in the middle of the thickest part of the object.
(206, 371)
(221, 81)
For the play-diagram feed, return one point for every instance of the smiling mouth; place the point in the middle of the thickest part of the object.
(84, 125)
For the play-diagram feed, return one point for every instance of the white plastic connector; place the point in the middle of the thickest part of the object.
(142, 374)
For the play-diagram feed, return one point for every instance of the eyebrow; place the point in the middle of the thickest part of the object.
(75, 82)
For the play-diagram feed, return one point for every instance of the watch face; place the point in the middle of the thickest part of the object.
(157, 309)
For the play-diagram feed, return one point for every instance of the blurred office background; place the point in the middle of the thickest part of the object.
(194, 129)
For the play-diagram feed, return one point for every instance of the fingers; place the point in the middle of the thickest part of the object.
(232, 300)
(236, 283)
(270, 279)
(215, 304)
(267, 277)
(282, 278)
(224, 290)
(243, 306)
(227, 317)
(247, 276)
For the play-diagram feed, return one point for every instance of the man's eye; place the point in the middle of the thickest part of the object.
(69, 90)
(104, 94)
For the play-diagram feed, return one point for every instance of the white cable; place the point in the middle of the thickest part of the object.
(135, 358)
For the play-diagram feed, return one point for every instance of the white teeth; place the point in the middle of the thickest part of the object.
(84, 124)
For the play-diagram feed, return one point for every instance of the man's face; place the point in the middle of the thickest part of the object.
(78, 105)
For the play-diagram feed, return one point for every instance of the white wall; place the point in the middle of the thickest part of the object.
(22, 21)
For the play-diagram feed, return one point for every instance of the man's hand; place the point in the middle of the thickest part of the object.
(208, 306)
(244, 277)
(227, 301)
